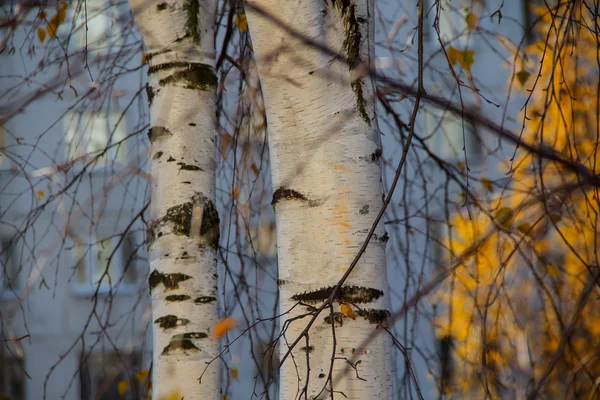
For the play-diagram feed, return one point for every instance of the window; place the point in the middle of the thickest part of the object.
(101, 374)
(92, 259)
(10, 266)
(12, 378)
(88, 134)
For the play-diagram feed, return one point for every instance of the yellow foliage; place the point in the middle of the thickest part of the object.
(507, 307)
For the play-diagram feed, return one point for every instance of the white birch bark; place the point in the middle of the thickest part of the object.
(325, 152)
(184, 232)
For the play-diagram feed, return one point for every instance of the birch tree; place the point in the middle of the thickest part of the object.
(184, 232)
(325, 151)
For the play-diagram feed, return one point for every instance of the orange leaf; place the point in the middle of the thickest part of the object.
(51, 28)
(241, 22)
(142, 375)
(236, 192)
(144, 59)
(223, 326)
(346, 309)
(122, 387)
(41, 35)
(40, 194)
(234, 373)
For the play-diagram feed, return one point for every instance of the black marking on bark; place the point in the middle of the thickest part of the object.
(171, 321)
(190, 335)
(179, 218)
(149, 56)
(157, 132)
(378, 317)
(191, 24)
(383, 238)
(364, 210)
(205, 299)
(177, 297)
(291, 194)
(171, 159)
(180, 344)
(170, 281)
(373, 157)
(188, 167)
(310, 349)
(186, 182)
(192, 124)
(282, 282)
(185, 256)
(361, 20)
(360, 100)
(210, 227)
(196, 76)
(149, 93)
(157, 155)
(321, 375)
(348, 294)
(161, 6)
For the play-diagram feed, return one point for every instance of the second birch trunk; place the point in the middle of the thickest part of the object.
(325, 153)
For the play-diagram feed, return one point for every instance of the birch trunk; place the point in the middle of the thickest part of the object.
(325, 152)
(184, 231)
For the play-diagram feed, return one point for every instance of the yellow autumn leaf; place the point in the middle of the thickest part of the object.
(461, 166)
(233, 372)
(122, 387)
(241, 22)
(223, 326)
(468, 58)
(142, 375)
(144, 59)
(40, 194)
(346, 309)
(471, 20)
(453, 54)
(465, 58)
(487, 184)
(51, 28)
(42, 14)
(41, 34)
